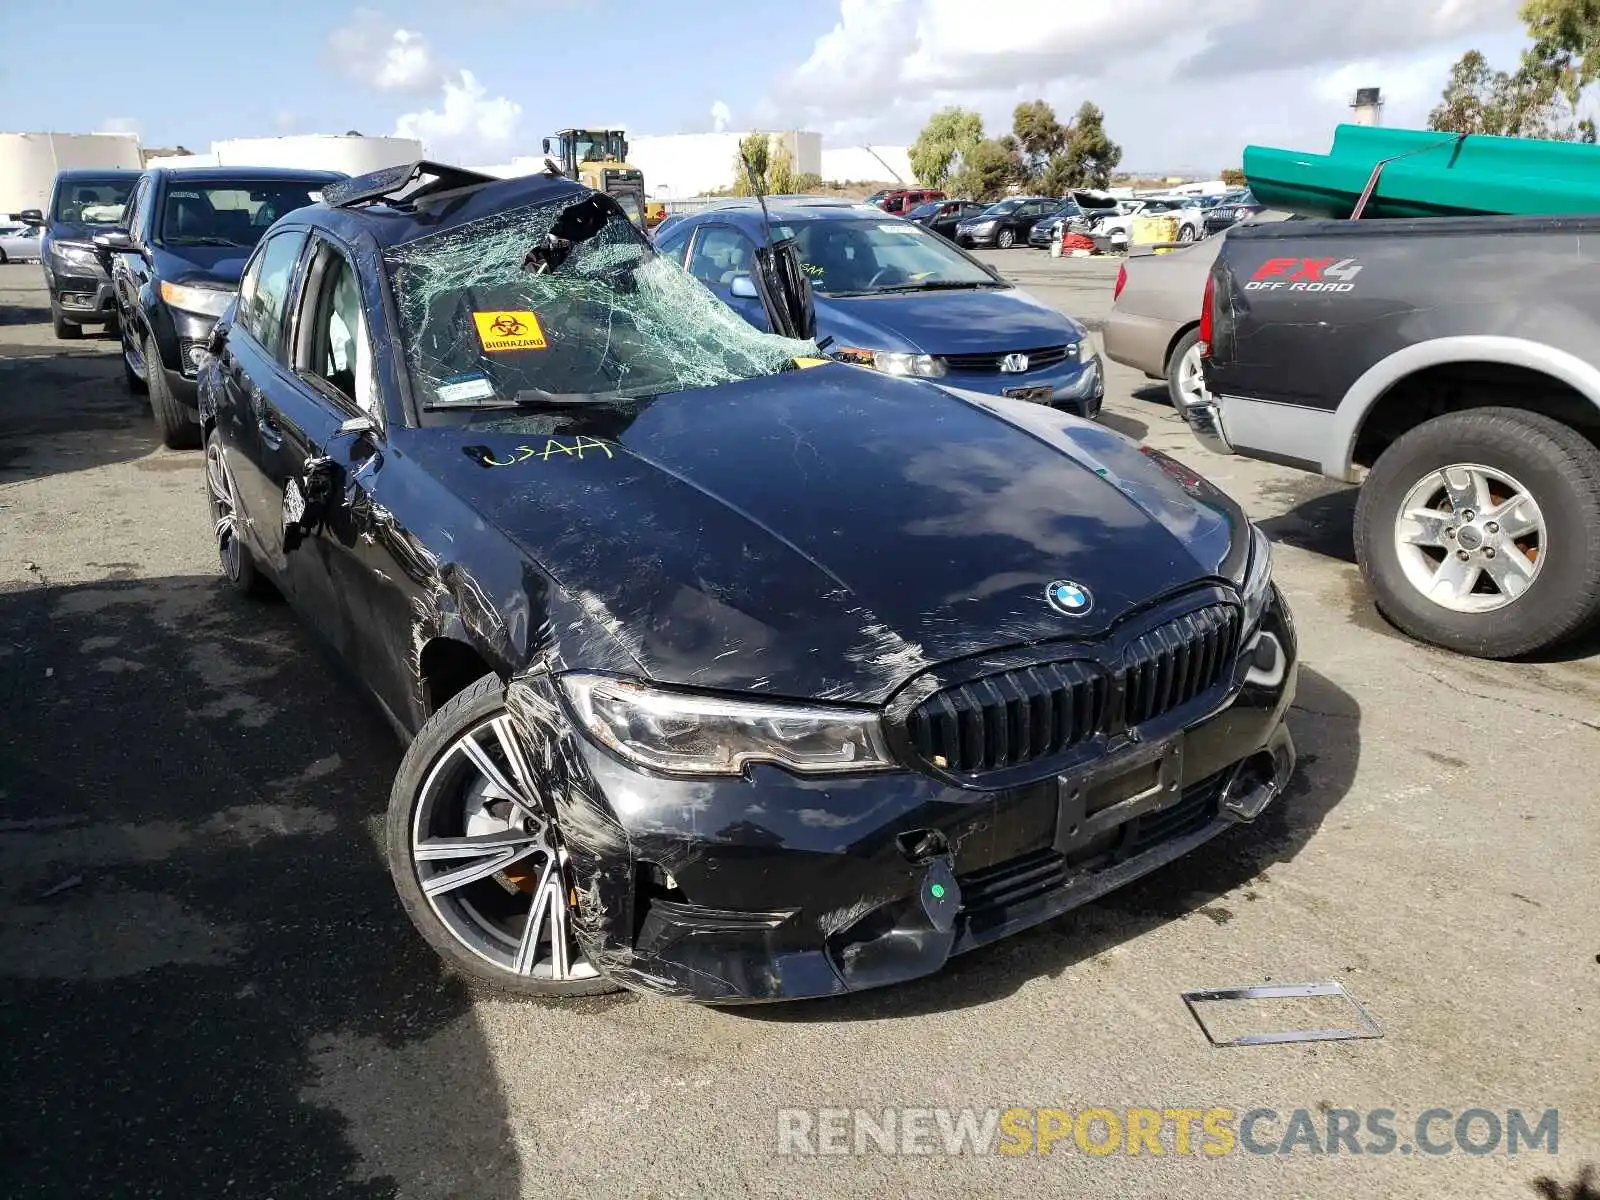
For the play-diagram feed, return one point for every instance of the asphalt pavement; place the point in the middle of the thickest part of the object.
(207, 987)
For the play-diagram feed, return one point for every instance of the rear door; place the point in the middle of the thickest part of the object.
(720, 257)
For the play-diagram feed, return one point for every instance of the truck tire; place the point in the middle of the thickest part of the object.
(179, 428)
(1500, 555)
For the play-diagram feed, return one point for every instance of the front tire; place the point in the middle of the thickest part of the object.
(66, 331)
(1186, 233)
(130, 377)
(1479, 532)
(1005, 239)
(177, 425)
(477, 858)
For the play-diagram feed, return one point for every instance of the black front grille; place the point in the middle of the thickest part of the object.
(1010, 718)
(1183, 659)
(1049, 356)
(1029, 714)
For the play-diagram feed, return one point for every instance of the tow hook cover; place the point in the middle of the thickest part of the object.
(941, 895)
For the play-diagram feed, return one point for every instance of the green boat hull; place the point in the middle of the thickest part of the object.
(1440, 175)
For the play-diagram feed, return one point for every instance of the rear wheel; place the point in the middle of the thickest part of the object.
(1005, 239)
(1186, 233)
(130, 352)
(477, 858)
(179, 428)
(238, 567)
(1480, 532)
(1186, 382)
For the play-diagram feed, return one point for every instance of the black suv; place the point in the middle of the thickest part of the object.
(175, 264)
(82, 204)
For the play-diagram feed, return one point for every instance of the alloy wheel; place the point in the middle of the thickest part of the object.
(224, 510)
(1470, 538)
(1192, 378)
(488, 860)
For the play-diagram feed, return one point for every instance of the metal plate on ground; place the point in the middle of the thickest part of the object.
(1365, 1026)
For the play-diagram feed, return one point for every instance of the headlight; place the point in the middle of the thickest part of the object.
(982, 227)
(81, 257)
(1257, 584)
(208, 302)
(680, 733)
(893, 362)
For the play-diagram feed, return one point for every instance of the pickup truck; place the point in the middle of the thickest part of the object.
(1451, 366)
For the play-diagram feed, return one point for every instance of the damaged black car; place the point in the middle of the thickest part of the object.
(727, 672)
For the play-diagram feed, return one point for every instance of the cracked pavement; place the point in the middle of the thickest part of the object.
(209, 988)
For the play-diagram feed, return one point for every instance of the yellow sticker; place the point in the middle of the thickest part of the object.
(804, 363)
(509, 331)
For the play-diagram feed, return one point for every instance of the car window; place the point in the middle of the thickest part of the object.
(91, 201)
(923, 211)
(335, 345)
(136, 207)
(863, 256)
(720, 253)
(264, 289)
(235, 213)
(672, 242)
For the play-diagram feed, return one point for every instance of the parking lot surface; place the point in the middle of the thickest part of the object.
(210, 989)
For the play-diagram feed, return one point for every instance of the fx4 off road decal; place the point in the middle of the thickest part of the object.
(1305, 275)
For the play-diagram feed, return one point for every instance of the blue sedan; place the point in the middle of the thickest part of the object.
(897, 298)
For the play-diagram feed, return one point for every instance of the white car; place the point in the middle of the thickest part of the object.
(20, 243)
(1191, 220)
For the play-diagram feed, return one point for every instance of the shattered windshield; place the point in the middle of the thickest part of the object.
(564, 301)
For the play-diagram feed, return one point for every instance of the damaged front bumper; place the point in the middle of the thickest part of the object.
(772, 887)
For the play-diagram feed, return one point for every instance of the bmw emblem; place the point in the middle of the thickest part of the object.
(1068, 597)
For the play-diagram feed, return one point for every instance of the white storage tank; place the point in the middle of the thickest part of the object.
(29, 162)
(352, 153)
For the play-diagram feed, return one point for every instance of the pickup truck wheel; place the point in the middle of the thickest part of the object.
(1186, 382)
(1480, 532)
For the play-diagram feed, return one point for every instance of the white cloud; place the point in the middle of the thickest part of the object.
(1181, 84)
(720, 116)
(120, 125)
(465, 124)
(372, 51)
(469, 126)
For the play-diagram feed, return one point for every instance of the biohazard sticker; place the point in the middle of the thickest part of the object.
(501, 331)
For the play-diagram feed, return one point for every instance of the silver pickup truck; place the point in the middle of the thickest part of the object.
(1452, 367)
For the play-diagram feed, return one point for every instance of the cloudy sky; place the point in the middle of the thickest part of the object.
(1183, 84)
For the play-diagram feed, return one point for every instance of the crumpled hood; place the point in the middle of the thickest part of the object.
(982, 321)
(829, 532)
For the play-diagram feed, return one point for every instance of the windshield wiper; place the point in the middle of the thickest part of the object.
(201, 241)
(940, 285)
(538, 397)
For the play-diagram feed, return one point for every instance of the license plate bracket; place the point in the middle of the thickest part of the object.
(1034, 395)
(1145, 779)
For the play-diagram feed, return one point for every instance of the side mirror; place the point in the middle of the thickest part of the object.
(547, 145)
(31, 216)
(116, 241)
(744, 288)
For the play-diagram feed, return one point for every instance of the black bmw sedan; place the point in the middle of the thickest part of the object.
(727, 672)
